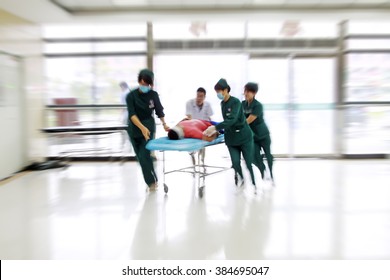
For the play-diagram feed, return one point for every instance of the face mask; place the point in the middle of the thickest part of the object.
(220, 95)
(144, 89)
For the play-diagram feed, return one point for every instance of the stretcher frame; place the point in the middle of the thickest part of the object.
(198, 169)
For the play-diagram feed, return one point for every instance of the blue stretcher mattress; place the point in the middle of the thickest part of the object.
(186, 144)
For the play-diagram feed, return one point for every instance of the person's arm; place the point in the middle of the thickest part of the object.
(166, 127)
(251, 118)
(210, 133)
(129, 101)
(145, 131)
(232, 118)
(257, 111)
(159, 109)
(228, 121)
(209, 138)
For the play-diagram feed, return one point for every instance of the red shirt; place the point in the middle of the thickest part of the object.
(194, 128)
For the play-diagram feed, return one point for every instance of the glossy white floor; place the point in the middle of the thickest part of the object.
(319, 209)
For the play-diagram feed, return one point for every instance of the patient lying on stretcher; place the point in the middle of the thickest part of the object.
(192, 128)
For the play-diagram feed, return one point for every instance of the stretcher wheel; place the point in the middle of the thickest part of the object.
(165, 188)
(201, 189)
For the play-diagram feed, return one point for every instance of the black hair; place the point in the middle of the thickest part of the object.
(173, 135)
(252, 87)
(220, 87)
(201, 90)
(145, 77)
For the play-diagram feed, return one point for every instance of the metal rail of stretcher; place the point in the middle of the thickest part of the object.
(198, 169)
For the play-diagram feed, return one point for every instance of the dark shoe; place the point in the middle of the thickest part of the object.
(262, 174)
(238, 181)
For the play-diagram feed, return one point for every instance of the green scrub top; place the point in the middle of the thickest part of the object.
(258, 126)
(143, 105)
(237, 131)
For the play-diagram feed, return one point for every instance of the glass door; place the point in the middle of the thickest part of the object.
(298, 94)
(313, 104)
(272, 75)
(367, 104)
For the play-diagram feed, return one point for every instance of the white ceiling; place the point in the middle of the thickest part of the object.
(60, 11)
(88, 5)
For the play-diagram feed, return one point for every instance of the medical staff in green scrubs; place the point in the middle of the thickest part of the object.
(238, 135)
(253, 111)
(141, 103)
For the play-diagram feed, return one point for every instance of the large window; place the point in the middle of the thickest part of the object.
(368, 77)
(367, 116)
(84, 66)
(58, 31)
(298, 103)
(272, 75)
(367, 129)
(86, 63)
(179, 76)
(367, 89)
(297, 78)
(90, 79)
(313, 99)
(358, 27)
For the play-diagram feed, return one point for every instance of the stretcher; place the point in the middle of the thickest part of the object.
(191, 145)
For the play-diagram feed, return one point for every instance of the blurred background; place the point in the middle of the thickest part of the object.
(323, 68)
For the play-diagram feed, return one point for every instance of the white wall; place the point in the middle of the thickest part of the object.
(34, 91)
(11, 143)
(21, 94)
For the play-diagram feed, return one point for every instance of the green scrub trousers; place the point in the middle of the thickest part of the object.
(238, 135)
(144, 158)
(265, 144)
(247, 152)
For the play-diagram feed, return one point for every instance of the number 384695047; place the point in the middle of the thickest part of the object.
(222, 270)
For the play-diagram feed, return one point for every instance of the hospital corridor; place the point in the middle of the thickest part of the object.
(194, 130)
(319, 209)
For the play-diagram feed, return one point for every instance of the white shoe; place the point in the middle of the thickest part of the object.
(153, 187)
